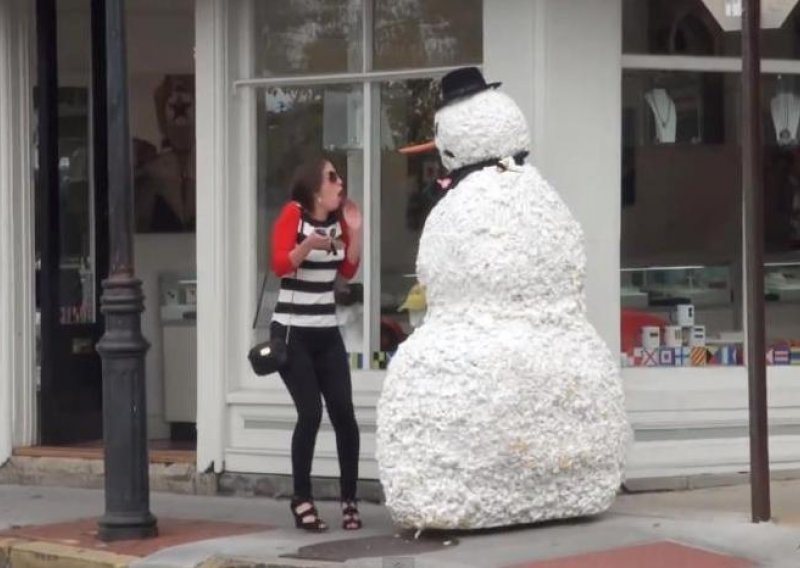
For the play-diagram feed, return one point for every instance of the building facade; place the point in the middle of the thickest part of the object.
(633, 111)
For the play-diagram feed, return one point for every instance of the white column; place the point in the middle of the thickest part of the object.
(213, 291)
(561, 60)
(17, 372)
(511, 53)
(581, 127)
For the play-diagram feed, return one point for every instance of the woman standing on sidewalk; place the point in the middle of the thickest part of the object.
(317, 237)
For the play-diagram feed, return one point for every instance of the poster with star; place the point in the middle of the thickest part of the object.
(164, 169)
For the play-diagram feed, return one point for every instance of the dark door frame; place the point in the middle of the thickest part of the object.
(48, 222)
(60, 422)
(99, 136)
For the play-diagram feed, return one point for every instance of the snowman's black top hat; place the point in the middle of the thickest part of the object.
(463, 82)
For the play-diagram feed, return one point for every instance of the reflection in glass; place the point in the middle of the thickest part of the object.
(407, 110)
(781, 102)
(681, 209)
(76, 278)
(687, 27)
(681, 216)
(307, 36)
(427, 33)
(681, 197)
(164, 162)
(293, 123)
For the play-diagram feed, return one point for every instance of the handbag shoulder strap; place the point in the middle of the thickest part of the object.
(261, 298)
(266, 276)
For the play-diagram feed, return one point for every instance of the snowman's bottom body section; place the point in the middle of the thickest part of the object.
(483, 426)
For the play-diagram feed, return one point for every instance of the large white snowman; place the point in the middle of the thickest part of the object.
(504, 407)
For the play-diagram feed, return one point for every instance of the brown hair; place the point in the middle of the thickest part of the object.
(307, 180)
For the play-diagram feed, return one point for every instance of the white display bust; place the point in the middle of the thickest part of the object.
(785, 109)
(663, 113)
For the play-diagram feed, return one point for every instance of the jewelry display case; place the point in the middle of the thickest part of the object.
(680, 316)
(782, 281)
(656, 332)
(665, 286)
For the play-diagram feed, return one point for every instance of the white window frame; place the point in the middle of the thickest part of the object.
(705, 64)
(371, 174)
(230, 396)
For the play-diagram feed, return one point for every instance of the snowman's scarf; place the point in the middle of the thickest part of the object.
(430, 195)
(452, 179)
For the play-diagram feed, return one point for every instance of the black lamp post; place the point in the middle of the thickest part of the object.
(122, 348)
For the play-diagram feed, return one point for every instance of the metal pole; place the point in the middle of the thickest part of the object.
(122, 347)
(753, 232)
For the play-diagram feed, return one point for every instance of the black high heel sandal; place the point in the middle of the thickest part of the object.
(351, 520)
(306, 516)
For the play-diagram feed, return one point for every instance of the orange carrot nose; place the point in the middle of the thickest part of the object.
(418, 148)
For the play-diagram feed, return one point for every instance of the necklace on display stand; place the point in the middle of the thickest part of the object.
(663, 122)
(785, 109)
(664, 113)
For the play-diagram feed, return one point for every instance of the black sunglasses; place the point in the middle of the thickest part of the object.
(333, 177)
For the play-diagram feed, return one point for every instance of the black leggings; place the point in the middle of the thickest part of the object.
(317, 366)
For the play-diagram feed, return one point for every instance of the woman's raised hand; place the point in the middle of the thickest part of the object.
(352, 215)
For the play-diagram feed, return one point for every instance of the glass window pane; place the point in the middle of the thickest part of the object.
(307, 36)
(407, 110)
(781, 114)
(163, 155)
(687, 27)
(681, 217)
(294, 122)
(76, 279)
(681, 212)
(427, 33)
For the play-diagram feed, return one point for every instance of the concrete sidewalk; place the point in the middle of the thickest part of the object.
(53, 527)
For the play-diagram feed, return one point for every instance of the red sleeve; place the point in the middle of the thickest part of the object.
(284, 239)
(347, 269)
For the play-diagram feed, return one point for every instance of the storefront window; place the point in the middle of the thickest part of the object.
(681, 219)
(427, 33)
(294, 122)
(307, 36)
(688, 27)
(407, 110)
(363, 124)
(77, 276)
(781, 115)
(77, 271)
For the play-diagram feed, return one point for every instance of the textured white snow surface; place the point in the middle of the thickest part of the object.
(505, 406)
(484, 126)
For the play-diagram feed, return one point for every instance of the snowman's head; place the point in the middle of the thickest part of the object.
(486, 125)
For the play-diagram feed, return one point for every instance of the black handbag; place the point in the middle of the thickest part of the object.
(269, 356)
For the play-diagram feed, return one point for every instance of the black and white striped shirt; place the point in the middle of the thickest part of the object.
(306, 296)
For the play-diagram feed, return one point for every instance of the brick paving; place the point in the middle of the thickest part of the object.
(655, 555)
(82, 533)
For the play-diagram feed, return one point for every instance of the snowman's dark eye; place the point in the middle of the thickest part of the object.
(449, 154)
